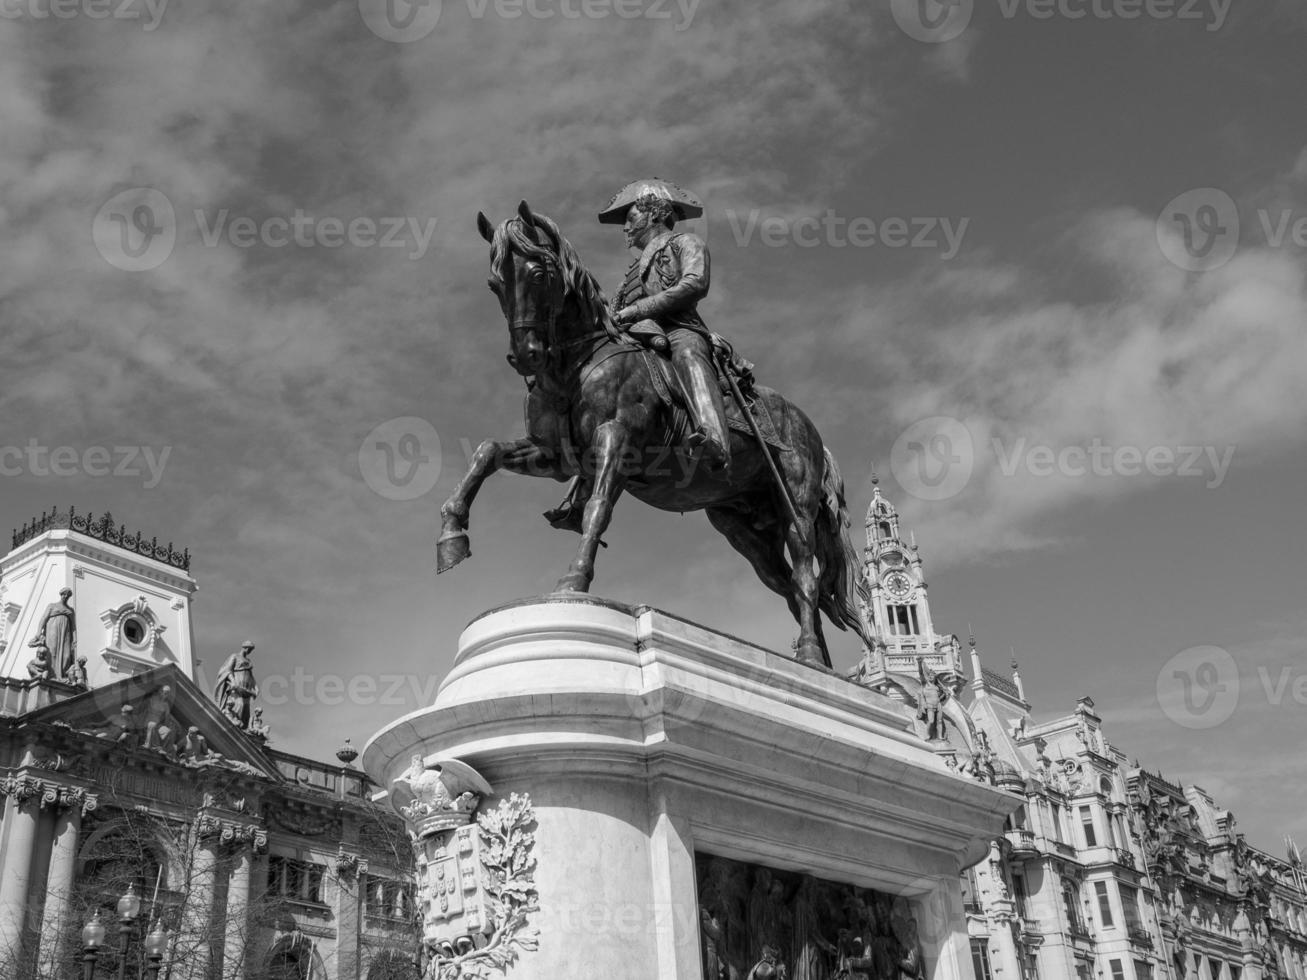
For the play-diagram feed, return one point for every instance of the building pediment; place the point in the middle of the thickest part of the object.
(160, 710)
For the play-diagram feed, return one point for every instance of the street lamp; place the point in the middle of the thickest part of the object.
(156, 943)
(129, 906)
(92, 940)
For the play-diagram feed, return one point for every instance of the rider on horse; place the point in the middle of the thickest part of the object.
(659, 296)
(657, 305)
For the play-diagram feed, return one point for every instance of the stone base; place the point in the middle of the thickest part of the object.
(643, 740)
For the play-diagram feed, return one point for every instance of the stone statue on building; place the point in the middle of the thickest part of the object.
(38, 668)
(930, 703)
(57, 632)
(236, 688)
(77, 676)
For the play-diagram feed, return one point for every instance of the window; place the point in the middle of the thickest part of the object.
(1236, 972)
(980, 959)
(1082, 970)
(1031, 964)
(1059, 834)
(300, 881)
(902, 620)
(389, 898)
(1118, 971)
(1134, 922)
(1071, 905)
(971, 892)
(1104, 904)
(1144, 970)
(1087, 821)
(1019, 895)
(134, 631)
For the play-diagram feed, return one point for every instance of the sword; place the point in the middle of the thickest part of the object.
(757, 434)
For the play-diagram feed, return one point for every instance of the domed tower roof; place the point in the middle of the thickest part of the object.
(882, 517)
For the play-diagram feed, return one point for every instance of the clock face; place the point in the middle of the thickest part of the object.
(898, 583)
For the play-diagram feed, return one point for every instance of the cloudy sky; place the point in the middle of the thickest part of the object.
(1040, 264)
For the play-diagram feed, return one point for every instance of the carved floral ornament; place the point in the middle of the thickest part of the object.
(476, 870)
(59, 796)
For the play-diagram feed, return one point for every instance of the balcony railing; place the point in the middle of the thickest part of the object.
(1023, 843)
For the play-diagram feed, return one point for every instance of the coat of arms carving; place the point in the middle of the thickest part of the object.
(475, 869)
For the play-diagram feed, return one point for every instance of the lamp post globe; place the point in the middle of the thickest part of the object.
(92, 940)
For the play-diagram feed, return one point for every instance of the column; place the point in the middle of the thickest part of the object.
(351, 873)
(237, 936)
(56, 927)
(193, 949)
(20, 838)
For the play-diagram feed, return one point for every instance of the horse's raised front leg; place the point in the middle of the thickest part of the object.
(609, 446)
(520, 456)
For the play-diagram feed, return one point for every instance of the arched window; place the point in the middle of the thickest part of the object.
(291, 958)
(122, 856)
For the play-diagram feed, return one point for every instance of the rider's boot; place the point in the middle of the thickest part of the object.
(711, 438)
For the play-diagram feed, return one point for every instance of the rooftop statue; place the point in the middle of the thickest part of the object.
(640, 397)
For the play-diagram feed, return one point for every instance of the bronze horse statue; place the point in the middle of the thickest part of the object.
(598, 408)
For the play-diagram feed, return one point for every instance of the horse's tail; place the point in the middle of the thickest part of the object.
(843, 590)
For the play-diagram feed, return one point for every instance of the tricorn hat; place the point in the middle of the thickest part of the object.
(684, 204)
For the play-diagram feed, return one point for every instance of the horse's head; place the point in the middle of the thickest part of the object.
(544, 291)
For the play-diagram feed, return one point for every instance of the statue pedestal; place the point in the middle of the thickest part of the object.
(649, 746)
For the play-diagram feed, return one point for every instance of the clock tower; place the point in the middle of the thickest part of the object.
(898, 605)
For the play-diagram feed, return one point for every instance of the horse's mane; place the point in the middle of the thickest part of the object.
(511, 236)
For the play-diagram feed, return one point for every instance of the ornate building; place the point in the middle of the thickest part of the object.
(120, 776)
(1108, 871)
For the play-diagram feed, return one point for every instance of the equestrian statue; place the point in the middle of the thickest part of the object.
(640, 397)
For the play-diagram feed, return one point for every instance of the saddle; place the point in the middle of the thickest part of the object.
(672, 395)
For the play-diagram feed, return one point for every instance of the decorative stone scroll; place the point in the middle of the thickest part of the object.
(50, 794)
(475, 870)
(232, 832)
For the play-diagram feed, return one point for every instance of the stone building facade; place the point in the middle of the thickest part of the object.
(118, 770)
(1108, 871)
